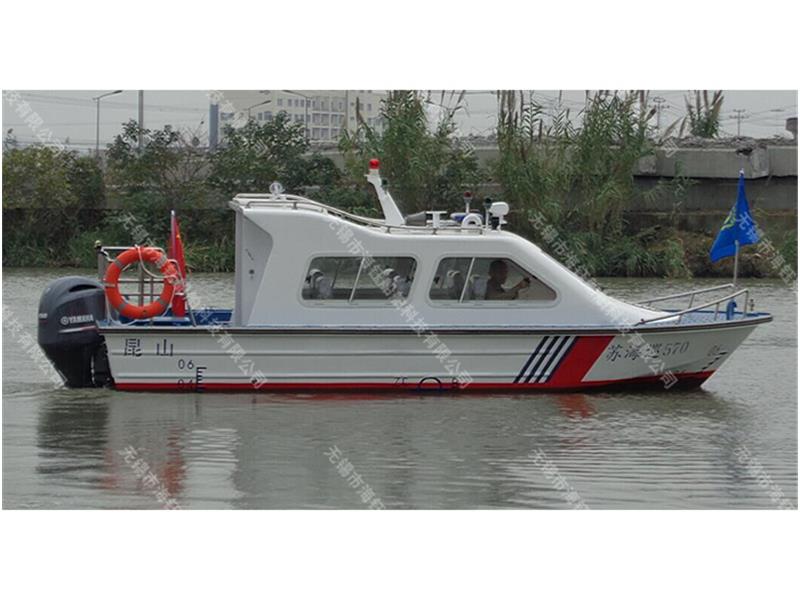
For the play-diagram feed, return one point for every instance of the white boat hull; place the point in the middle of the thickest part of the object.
(262, 359)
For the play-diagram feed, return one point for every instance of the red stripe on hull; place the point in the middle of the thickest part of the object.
(684, 380)
(580, 359)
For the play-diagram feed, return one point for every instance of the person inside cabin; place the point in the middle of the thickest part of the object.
(498, 274)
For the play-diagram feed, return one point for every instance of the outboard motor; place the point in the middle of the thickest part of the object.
(68, 311)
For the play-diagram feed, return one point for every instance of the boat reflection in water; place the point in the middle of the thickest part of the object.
(422, 450)
(576, 406)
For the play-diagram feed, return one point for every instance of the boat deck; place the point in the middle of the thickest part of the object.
(209, 318)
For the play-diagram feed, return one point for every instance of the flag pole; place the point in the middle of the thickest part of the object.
(736, 242)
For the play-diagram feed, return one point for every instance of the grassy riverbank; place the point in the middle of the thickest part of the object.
(57, 204)
(36, 238)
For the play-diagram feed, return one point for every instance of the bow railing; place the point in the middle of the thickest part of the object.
(716, 303)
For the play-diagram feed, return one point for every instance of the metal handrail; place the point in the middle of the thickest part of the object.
(691, 293)
(296, 201)
(714, 303)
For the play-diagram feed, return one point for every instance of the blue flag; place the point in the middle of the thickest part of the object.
(738, 226)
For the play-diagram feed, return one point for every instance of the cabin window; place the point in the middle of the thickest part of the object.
(448, 284)
(331, 278)
(353, 278)
(383, 278)
(483, 279)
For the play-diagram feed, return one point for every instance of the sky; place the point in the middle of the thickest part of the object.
(71, 115)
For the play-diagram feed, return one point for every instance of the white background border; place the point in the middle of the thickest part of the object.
(409, 44)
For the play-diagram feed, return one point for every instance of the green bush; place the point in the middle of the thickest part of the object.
(788, 248)
(425, 164)
(580, 178)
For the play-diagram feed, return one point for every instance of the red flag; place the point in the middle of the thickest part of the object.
(175, 252)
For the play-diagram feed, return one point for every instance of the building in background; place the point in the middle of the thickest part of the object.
(325, 113)
(791, 126)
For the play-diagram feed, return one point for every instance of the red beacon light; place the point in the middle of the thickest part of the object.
(467, 201)
(374, 163)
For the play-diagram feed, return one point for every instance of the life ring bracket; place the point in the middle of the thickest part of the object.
(145, 255)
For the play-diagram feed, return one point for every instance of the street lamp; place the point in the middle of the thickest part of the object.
(308, 99)
(97, 128)
(255, 105)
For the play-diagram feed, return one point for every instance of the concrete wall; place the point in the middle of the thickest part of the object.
(702, 163)
(717, 195)
(783, 161)
(770, 169)
(722, 163)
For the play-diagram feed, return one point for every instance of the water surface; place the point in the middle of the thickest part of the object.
(730, 444)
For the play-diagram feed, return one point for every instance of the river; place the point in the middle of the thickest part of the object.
(730, 444)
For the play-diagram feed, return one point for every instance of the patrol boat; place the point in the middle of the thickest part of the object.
(327, 300)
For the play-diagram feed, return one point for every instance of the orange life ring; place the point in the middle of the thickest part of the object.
(130, 256)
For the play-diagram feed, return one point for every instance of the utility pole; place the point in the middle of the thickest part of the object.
(740, 116)
(659, 102)
(97, 126)
(213, 126)
(141, 120)
(347, 110)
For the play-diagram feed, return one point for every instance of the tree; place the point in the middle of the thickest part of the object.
(170, 165)
(85, 178)
(582, 176)
(255, 155)
(46, 177)
(575, 182)
(424, 165)
(46, 192)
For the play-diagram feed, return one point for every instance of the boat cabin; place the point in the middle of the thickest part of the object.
(301, 262)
